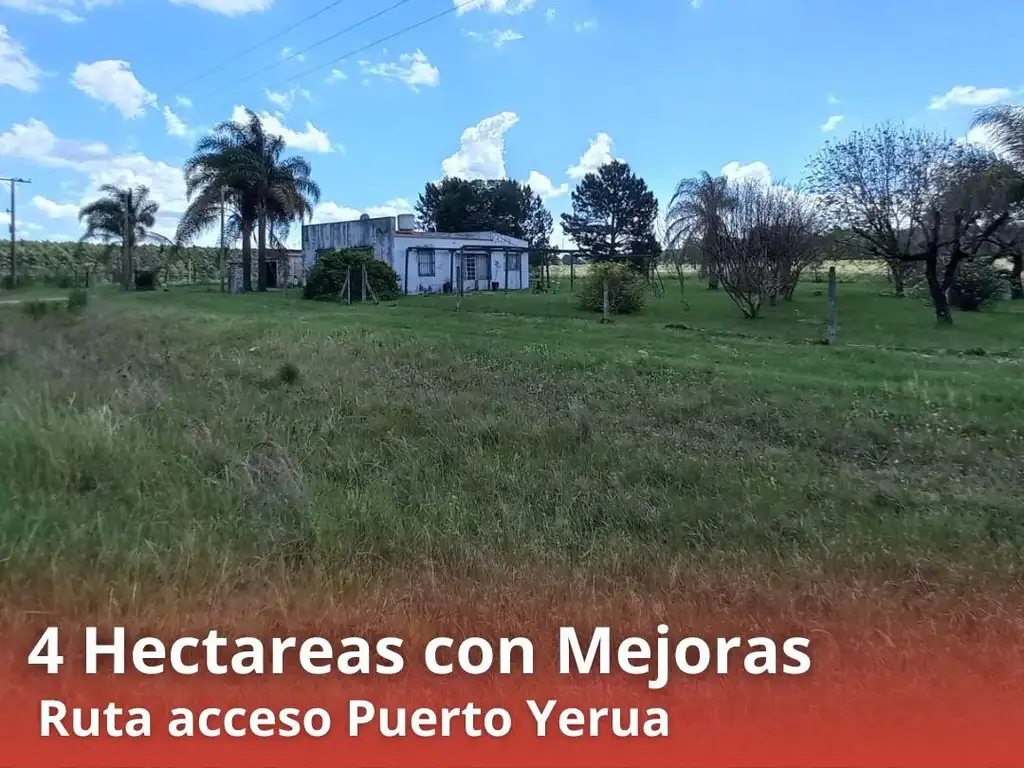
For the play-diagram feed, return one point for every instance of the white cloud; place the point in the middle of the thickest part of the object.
(23, 226)
(598, 154)
(55, 210)
(584, 26)
(543, 186)
(286, 53)
(174, 124)
(62, 9)
(496, 37)
(36, 143)
(71, 11)
(336, 76)
(757, 171)
(286, 100)
(832, 123)
(16, 69)
(229, 7)
(550, 14)
(981, 136)
(833, 100)
(968, 95)
(413, 69)
(311, 139)
(331, 211)
(112, 81)
(183, 101)
(511, 7)
(696, 3)
(482, 151)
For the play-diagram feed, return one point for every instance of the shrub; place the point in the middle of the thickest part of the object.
(626, 289)
(37, 308)
(327, 277)
(977, 285)
(288, 373)
(78, 299)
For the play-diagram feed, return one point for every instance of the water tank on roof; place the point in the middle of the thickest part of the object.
(406, 222)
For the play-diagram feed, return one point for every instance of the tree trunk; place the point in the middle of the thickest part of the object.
(125, 270)
(261, 252)
(939, 299)
(896, 274)
(679, 277)
(246, 256)
(1016, 289)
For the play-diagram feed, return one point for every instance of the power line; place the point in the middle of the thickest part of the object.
(317, 44)
(393, 35)
(252, 48)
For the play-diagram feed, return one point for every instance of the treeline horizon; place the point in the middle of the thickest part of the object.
(73, 262)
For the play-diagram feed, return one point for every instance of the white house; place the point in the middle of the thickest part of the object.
(427, 262)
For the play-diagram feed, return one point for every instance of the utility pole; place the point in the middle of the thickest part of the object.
(14, 263)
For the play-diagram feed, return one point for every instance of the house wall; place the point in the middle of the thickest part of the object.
(377, 234)
(289, 272)
(410, 281)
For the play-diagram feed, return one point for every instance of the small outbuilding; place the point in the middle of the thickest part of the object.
(284, 270)
(426, 262)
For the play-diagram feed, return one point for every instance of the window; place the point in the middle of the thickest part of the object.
(470, 261)
(512, 263)
(425, 260)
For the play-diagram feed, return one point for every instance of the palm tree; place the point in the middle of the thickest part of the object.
(1004, 124)
(263, 188)
(695, 216)
(123, 217)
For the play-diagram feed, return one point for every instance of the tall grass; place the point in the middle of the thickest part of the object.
(204, 445)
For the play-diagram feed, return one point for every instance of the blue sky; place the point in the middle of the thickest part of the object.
(97, 91)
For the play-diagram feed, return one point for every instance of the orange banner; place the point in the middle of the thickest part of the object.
(876, 705)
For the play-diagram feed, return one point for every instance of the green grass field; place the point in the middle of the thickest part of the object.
(213, 444)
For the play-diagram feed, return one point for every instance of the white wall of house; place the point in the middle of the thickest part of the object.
(426, 261)
(416, 274)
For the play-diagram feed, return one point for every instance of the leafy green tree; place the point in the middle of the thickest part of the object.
(505, 206)
(612, 210)
(263, 190)
(123, 216)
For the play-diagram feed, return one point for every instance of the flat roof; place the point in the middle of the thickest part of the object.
(491, 236)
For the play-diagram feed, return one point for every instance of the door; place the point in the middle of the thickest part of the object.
(513, 271)
(483, 272)
(477, 271)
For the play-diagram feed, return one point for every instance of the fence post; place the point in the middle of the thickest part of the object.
(607, 308)
(458, 289)
(348, 285)
(832, 330)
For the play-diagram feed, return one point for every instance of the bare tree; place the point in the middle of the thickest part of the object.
(913, 197)
(769, 234)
